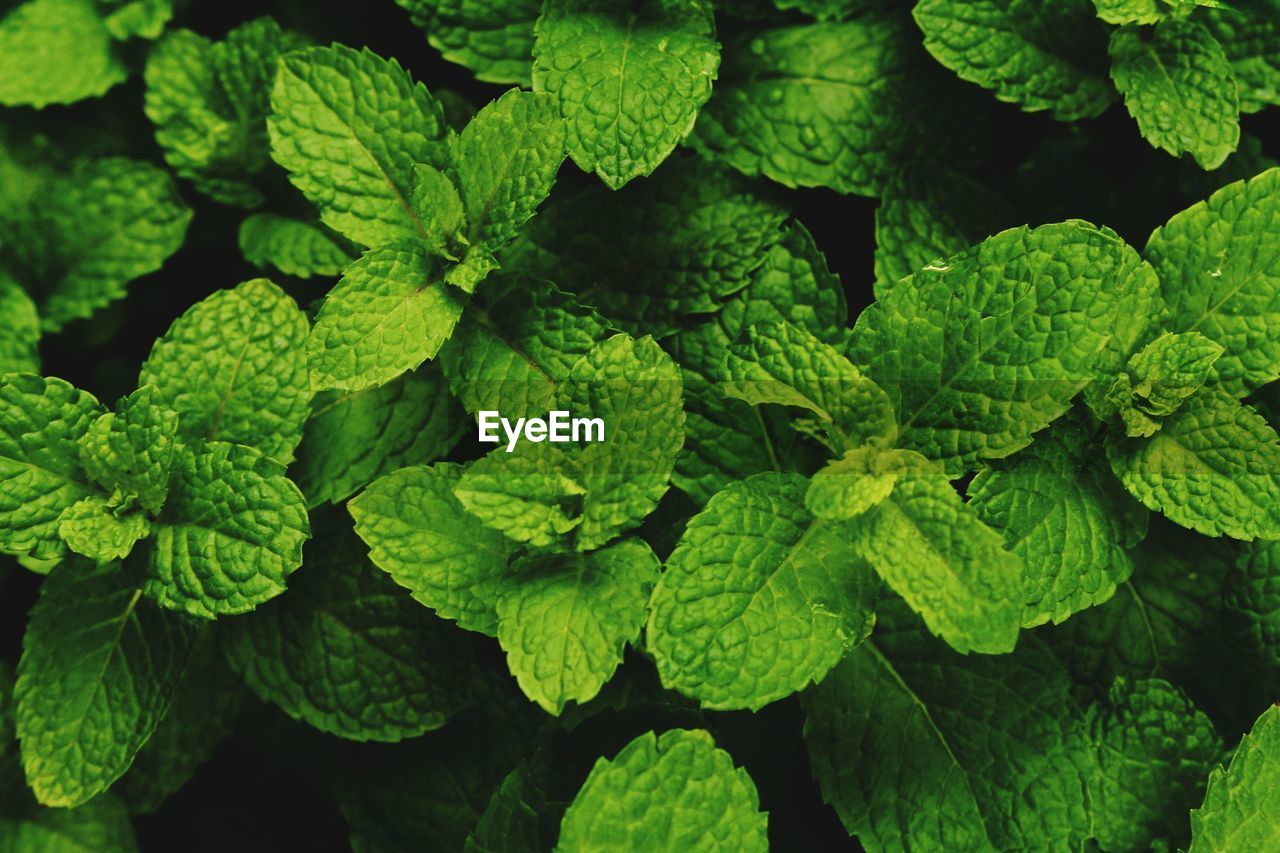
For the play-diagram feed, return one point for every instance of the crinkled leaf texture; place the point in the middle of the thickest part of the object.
(759, 599)
(41, 422)
(129, 452)
(565, 619)
(56, 52)
(230, 534)
(629, 79)
(985, 349)
(349, 126)
(92, 528)
(348, 651)
(1178, 85)
(1219, 268)
(418, 533)
(917, 747)
(99, 667)
(1241, 809)
(668, 792)
(234, 369)
(494, 38)
(298, 247)
(19, 329)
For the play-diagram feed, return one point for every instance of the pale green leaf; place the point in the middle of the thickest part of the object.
(92, 528)
(129, 452)
(861, 479)
(529, 494)
(1241, 809)
(56, 52)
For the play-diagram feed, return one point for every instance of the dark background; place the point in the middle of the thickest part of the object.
(267, 786)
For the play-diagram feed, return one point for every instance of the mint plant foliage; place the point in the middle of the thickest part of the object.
(917, 482)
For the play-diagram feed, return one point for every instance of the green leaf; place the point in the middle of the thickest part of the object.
(104, 224)
(1242, 802)
(494, 38)
(209, 104)
(926, 215)
(529, 495)
(92, 528)
(19, 329)
(355, 437)
(1178, 85)
(234, 369)
(1062, 512)
(388, 315)
(514, 356)
(1155, 750)
(1218, 269)
(668, 792)
(917, 747)
(783, 364)
(230, 534)
(349, 126)
(635, 389)
(41, 421)
(1249, 42)
(418, 533)
(506, 160)
(1250, 599)
(1131, 11)
(98, 669)
(1213, 467)
(203, 712)
(861, 479)
(349, 652)
(989, 347)
(297, 247)
(56, 52)
(1160, 377)
(437, 204)
(565, 619)
(838, 105)
(679, 243)
(1040, 56)
(629, 79)
(759, 599)
(935, 551)
(129, 452)
(138, 18)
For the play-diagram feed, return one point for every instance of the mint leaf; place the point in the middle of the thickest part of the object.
(99, 826)
(41, 421)
(989, 347)
(137, 18)
(629, 80)
(105, 223)
(701, 796)
(1249, 43)
(436, 202)
(513, 356)
(530, 496)
(1040, 56)
(129, 452)
(208, 101)
(1132, 11)
(1217, 271)
(230, 534)
(1240, 805)
(759, 599)
(1214, 467)
(1160, 377)
(1249, 599)
(297, 247)
(1179, 87)
(838, 105)
(98, 670)
(388, 315)
(1061, 511)
(353, 438)
(679, 243)
(418, 533)
(349, 126)
(494, 38)
(349, 652)
(564, 620)
(36, 39)
(506, 161)
(91, 527)
(918, 747)
(233, 368)
(859, 480)
(19, 329)
(934, 550)
(783, 364)
(1155, 749)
